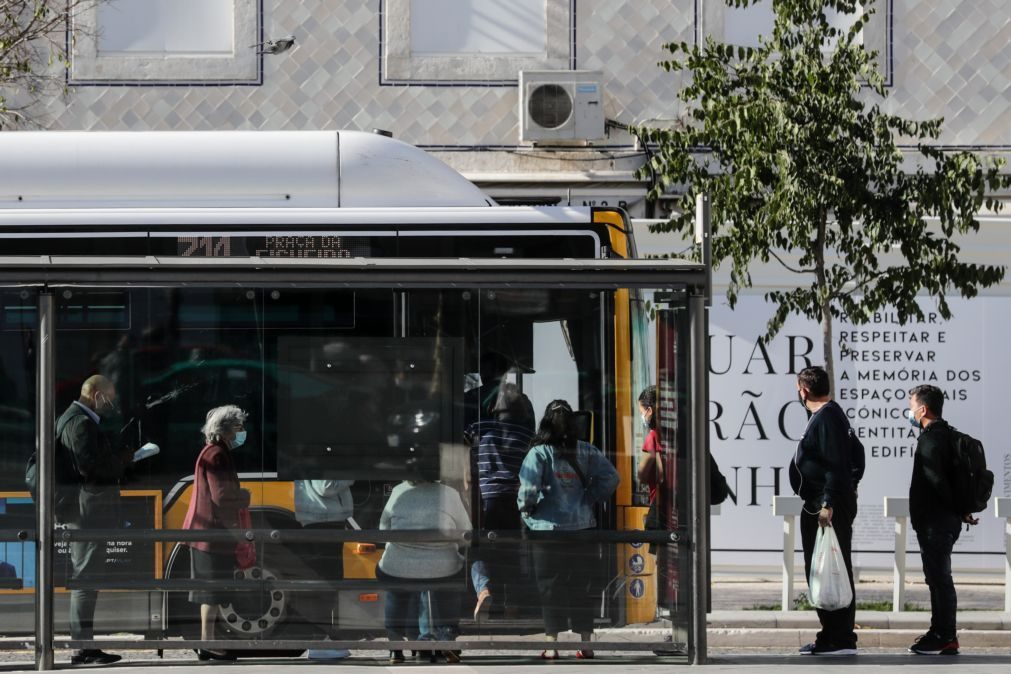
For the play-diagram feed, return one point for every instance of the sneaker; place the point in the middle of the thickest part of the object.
(827, 649)
(668, 652)
(483, 607)
(396, 657)
(932, 644)
(95, 657)
(327, 653)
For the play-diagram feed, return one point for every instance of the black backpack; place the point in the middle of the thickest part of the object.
(971, 482)
(719, 490)
(67, 479)
(858, 461)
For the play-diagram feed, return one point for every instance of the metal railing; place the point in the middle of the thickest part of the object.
(897, 508)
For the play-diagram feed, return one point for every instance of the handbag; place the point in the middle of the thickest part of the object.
(245, 551)
(652, 521)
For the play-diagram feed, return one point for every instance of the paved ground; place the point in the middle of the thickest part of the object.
(735, 590)
(764, 663)
(740, 638)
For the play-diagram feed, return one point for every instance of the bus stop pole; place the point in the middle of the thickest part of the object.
(699, 495)
(45, 453)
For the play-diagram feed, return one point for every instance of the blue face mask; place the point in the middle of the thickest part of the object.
(912, 420)
(240, 439)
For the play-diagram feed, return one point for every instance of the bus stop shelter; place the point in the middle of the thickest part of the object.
(48, 277)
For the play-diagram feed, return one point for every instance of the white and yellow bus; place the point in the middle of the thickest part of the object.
(361, 301)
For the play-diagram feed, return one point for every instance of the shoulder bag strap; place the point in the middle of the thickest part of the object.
(576, 467)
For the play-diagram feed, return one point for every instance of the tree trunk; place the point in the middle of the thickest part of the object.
(825, 303)
(826, 335)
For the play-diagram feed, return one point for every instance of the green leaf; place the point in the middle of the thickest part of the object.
(805, 170)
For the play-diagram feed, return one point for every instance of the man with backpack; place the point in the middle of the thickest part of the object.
(99, 469)
(949, 480)
(824, 472)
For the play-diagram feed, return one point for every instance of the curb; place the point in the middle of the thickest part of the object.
(867, 638)
(913, 620)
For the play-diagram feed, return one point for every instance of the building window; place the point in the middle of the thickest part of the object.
(744, 25)
(166, 41)
(474, 40)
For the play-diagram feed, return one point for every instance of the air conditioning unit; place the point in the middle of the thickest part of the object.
(561, 105)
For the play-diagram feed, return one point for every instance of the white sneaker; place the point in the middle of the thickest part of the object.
(327, 653)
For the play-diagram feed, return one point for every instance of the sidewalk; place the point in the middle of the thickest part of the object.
(875, 629)
(981, 620)
(978, 664)
(738, 638)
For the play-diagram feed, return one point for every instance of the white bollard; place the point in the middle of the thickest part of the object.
(788, 507)
(1002, 508)
(898, 507)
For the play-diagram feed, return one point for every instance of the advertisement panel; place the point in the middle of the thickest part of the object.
(756, 419)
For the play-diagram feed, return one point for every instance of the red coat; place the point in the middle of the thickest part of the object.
(217, 498)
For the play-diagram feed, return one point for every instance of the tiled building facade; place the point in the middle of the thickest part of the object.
(388, 64)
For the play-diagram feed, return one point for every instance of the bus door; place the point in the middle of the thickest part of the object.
(545, 345)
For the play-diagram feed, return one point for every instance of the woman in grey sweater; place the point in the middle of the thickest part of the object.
(423, 505)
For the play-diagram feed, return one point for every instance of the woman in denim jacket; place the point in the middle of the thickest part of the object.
(561, 480)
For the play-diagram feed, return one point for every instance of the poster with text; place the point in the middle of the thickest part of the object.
(756, 419)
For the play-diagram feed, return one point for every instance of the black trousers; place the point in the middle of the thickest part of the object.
(836, 626)
(936, 542)
(568, 579)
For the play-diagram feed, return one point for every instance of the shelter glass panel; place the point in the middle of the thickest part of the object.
(18, 318)
(370, 464)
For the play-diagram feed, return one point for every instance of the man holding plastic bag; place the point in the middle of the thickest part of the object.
(824, 472)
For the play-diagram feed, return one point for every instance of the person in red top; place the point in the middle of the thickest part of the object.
(651, 471)
(650, 467)
(215, 505)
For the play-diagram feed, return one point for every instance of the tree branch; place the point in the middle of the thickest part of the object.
(789, 268)
(862, 285)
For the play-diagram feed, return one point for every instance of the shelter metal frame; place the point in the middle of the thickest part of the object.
(51, 273)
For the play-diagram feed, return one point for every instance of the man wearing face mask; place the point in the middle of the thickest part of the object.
(933, 514)
(100, 469)
(825, 472)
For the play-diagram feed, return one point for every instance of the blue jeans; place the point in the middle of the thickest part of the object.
(412, 614)
(497, 565)
(479, 576)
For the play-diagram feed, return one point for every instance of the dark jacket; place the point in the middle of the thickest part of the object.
(930, 494)
(97, 463)
(216, 498)
(824, 469)
(99, 466)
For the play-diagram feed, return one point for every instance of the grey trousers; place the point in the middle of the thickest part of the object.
(99, 510)
(87, 560)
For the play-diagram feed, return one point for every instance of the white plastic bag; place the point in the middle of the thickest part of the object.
(830, 584)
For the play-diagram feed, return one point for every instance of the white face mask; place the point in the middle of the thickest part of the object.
(104, 405)
(645, 420)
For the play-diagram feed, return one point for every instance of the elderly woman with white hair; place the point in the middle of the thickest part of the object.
(215, 504)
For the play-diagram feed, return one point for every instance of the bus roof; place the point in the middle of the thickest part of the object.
(205, 219)
(224, 169)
